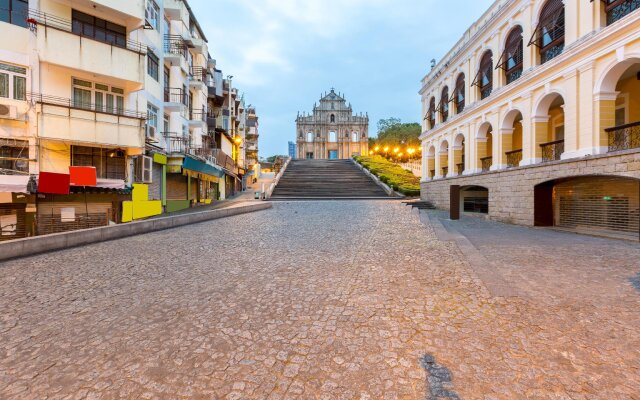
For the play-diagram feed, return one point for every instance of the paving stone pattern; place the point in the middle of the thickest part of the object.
(317, 300)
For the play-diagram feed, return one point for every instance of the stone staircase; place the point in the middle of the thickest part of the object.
(326, 179)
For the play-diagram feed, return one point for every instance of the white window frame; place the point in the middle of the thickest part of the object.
(12, 72)
(354, 137)
(152, 115)
(624, 105)
(310, 137)
(152, 13)
(117, 94)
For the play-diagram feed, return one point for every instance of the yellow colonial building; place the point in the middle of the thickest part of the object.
(533, 117)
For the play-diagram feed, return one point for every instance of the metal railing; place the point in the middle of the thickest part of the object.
(624, 137)
(486, 163)
(224, 160)
(175, 44)
(36, 17)
(460, 168)
(198, 73)
(618, 10)
(175, 142)
(81, 105)
(445, 171)
(175, 95)
(513, 158)
(432, 173)
(198, 115)
(552, 151)
(54, 223)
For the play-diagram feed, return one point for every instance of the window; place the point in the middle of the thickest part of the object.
(152, 115)
(13, 82)
(98, 29)
(109, 163)
(165, 123)
(333, 137)
(617, 9)
(333, 118)
(512, 56)
(431, 113)
(152, 64)
(14, 12)
(622, 115)
(444, 104)
(549, 34)
(354, 136)
(14, 155)
(309, 136)
(98, 97)
(151, 13)
(458, 94)
(484, 78)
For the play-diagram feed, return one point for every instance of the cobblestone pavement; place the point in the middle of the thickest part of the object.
(331, 300)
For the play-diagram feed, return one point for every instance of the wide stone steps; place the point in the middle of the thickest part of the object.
(326, 179)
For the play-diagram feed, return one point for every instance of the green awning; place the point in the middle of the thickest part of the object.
(202, 167)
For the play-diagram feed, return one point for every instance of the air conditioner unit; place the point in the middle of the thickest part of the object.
(143, 168)
(8, 112)
(151, 131)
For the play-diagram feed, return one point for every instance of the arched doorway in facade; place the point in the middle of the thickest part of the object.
(431, 162)
(511, 139)
(458, 153)
(549, 128)
(601, 205)
(484, 147)
(474, 199)
(444, 159)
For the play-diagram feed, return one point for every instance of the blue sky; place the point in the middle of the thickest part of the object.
(284, 53)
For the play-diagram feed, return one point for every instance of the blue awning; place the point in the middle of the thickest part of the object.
(202, 167)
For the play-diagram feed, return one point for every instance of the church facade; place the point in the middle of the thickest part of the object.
(332, 131)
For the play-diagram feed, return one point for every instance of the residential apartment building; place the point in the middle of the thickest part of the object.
(104, 114)
(533, 117)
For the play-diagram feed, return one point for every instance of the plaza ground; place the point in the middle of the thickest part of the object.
(333, 300)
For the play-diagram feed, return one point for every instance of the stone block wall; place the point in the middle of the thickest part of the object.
(511, 191)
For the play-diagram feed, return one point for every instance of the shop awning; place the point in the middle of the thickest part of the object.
(202, 167)
(110, 183)
(14, 183)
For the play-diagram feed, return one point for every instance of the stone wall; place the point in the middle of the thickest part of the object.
(511, 191)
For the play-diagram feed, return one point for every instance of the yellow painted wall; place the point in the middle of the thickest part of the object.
(556, 118)
(631, 87)
(517, 136)
(140, 206)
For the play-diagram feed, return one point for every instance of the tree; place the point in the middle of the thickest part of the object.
(393, 132)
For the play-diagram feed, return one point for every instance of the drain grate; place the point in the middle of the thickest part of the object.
(439, 380)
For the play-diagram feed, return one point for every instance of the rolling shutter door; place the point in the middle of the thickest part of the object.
(176, 187)
(155, 187)
(598, 205)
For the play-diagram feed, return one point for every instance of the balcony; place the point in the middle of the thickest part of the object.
(513, 158)
(124, 8)
(175, 99)
(64, 119)
(224, 160)
(552, 151)
(176, 10)
(198, 79)
(460, 168)
(58, 44)
(198, 119)
(176, 143)
(618, 9)
(176, 51)
(624, 137)
(445, 171)
(486, 163)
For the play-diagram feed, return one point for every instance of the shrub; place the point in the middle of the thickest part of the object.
(392, 174)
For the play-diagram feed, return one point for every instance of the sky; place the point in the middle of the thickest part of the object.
(283, 54)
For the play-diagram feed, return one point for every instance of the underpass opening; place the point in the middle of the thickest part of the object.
(474, 199)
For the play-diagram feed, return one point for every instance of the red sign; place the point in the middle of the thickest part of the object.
(83, 176)
(53, 183)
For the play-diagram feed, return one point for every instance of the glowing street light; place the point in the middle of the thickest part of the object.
(377, 148)
(396, 150)
(386, 149)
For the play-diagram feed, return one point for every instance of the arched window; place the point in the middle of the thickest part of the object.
(310, 137)
(354, 137)
(511, 59)
(458, 95)
(444, 104)
(484, 78)
(617, 9)
(431, 113)
(549, 34)
(333, 118)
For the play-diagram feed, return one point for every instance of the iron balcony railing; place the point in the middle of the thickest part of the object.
(445, 171)
(460, 168)
(175, 95)
(175, 44)
(198, 73)
(624, 137)
(486, 162)
(224, 160)
(513, 158)
(36, 17)
(432, 173)
(175, 142)
(81, 105)
(198, 115)
(618, 9)
(552, 151)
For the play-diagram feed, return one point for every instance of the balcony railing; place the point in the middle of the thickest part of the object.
(175, 44)
(224, 160)
(175, 95)
(552, 151)
(460, 168)
(36, 17)
(624, 137)
(80, 105)
(513, 158)
(445, 171)
(432, 173)
(198, 115)
(486, 162)
(618, 9)
(198, 73)
(175, 142)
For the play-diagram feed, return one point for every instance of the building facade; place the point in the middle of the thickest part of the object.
(534, 117)
(105, 115)
(332, 131)
(292, 150)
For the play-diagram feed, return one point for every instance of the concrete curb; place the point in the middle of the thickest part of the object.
(59, 241)
(377, 180)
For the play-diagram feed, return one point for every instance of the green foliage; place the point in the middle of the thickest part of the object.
(393, 132)
(392, 174)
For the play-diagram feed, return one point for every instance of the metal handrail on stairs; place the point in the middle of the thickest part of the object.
(273, 185)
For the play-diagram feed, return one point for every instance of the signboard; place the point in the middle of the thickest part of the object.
(53, 183)
(82, 176)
